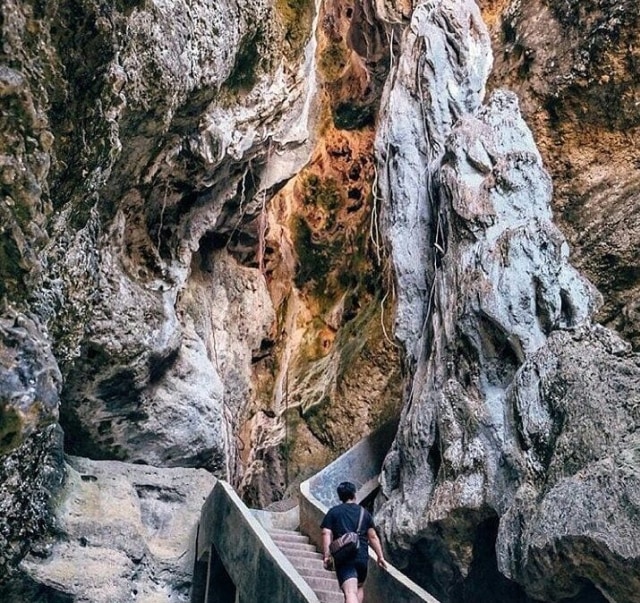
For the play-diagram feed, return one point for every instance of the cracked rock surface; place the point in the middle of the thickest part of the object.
(516, 402)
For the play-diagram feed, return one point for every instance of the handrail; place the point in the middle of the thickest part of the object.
(229, 533)
(236, 552)
(360, 465)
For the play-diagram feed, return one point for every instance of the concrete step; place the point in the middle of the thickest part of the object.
(295, 547)
(323, 584)
(317, 572)
(302, 561)
(330, 596)
(308, 561)
(312, 555)
(277, 534)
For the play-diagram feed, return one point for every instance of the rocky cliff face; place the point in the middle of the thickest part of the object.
(517, 405)
(164, 295)
(573, 66)
(222, 250)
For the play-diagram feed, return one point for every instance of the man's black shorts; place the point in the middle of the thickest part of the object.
(352, 569)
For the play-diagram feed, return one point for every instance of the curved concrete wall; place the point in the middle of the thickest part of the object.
(230, 533)
(360, 465)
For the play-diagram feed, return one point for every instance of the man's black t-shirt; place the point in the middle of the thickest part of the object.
(343, 518)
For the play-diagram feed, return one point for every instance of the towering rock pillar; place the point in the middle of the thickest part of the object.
(515, 403)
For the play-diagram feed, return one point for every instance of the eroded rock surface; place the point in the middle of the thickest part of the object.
(127, 534)
(575, 407)
(204, 283)
(134, 141)
(574, 66)
(492, 443)
(30, 381)
(31, 477)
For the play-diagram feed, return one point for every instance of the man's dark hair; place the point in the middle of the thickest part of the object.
(346, 491)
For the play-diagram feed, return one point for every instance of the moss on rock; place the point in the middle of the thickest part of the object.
(296, 16)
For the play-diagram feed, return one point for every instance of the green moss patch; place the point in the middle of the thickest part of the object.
(351, 116)
(245, 69)
(321, 192)
(297, 17)
(333, 61)
(315, 259)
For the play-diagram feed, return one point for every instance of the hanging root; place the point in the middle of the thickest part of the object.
(164, 206)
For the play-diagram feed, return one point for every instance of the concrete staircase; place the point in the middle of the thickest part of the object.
(306, 559)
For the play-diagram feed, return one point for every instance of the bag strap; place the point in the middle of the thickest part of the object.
(360, 519)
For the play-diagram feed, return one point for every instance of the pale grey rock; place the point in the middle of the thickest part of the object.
(129, 535)
(570, 64)
(496, 324)
(576, 406)
(426, 93)
(183, 120)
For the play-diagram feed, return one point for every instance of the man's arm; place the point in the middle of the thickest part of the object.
(374, 541)
(327, 537)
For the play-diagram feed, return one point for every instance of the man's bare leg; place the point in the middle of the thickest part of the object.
(350, 590)
(360, 593)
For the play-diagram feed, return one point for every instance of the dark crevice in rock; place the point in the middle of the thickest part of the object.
(23, 588)
(432, 566)
(484, 583)
(543, 311)
(588, 594)
(501, 355)
(26, 504)
(119, 392)
(159, 364)
(435, 455)
(567, 311)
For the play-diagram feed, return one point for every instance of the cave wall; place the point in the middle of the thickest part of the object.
(574, 67)
(174, 303)
(517, 403)
(231, 231)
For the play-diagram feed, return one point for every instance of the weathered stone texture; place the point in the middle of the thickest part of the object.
(574, 66)
(126, 532)
(146, 128)
(133, 141)
(515, 402)
(30, 380)
(30, 479)
(407, 144)
(143, 145)
(576, 408)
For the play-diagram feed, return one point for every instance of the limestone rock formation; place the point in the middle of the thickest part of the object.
(140, 150)
(574, 66)
(573, 521)
(148, 129)
(134, 142)
(31, 477)
(31, 448)
(193, 274)
(126, 533)
(517, 405)
(30, 381)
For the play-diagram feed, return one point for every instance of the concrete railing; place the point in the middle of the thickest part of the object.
(360, 465)
(237, 562)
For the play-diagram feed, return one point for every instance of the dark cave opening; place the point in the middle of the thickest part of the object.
(433, 567)
(485, 584)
